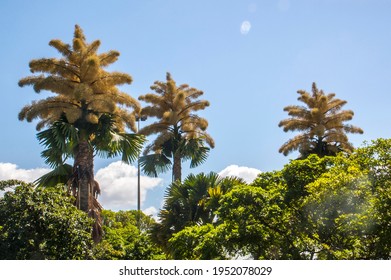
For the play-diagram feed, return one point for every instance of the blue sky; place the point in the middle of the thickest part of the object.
(249, 57)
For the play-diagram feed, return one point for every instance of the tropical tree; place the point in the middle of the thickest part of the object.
(42, 223)
(339, 213)
(127, 237)
(253, 221)
(87, 115)
(375, 158)
(335, 207)
(347, 209)
(322, 123)
(192, 202)
(197, 243)
(299, 173)
(181, 134)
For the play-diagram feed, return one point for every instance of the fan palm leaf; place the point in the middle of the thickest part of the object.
(59, 175)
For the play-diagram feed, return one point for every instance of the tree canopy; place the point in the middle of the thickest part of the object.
(315, 208)
(42, 223)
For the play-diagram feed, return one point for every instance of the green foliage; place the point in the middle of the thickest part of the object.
(299, 173)
(254, 221)
(349, 206)
(315, 208)
(123, 240)
(339, 209)
(42, 224)
(61, 138)
(196, 243)
(191, 202)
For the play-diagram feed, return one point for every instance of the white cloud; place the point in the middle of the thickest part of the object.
(10, 171)
(118, 183)
(248, 174)
(245, 27)
(151, 211)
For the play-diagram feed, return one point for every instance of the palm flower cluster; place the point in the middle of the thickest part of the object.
(321, 122)
(84, 90)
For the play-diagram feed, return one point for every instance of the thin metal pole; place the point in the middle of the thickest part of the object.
(138, 175)
(138, 119)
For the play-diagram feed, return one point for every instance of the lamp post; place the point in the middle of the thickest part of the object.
(138, 119)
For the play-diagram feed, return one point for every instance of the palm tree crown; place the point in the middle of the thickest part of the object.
(84, 90)
(181, 134)
(88, 114)
(321, 122)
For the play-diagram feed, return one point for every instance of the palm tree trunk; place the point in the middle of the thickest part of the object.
(177, 168)
(83, 169)
(319, 150)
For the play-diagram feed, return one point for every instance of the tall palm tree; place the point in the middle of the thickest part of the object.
(181, 134)
(321, 122)
(88, 114)
(192, 202)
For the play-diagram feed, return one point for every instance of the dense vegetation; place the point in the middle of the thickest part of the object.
(333, 202)
(314, 208)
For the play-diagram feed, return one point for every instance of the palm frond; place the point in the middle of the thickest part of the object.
(194, 150)
(126, 145)
(59, 141)
(59, 175)
(154, 164)
(131, 145)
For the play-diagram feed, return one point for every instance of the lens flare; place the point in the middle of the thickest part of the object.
(245, 27)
